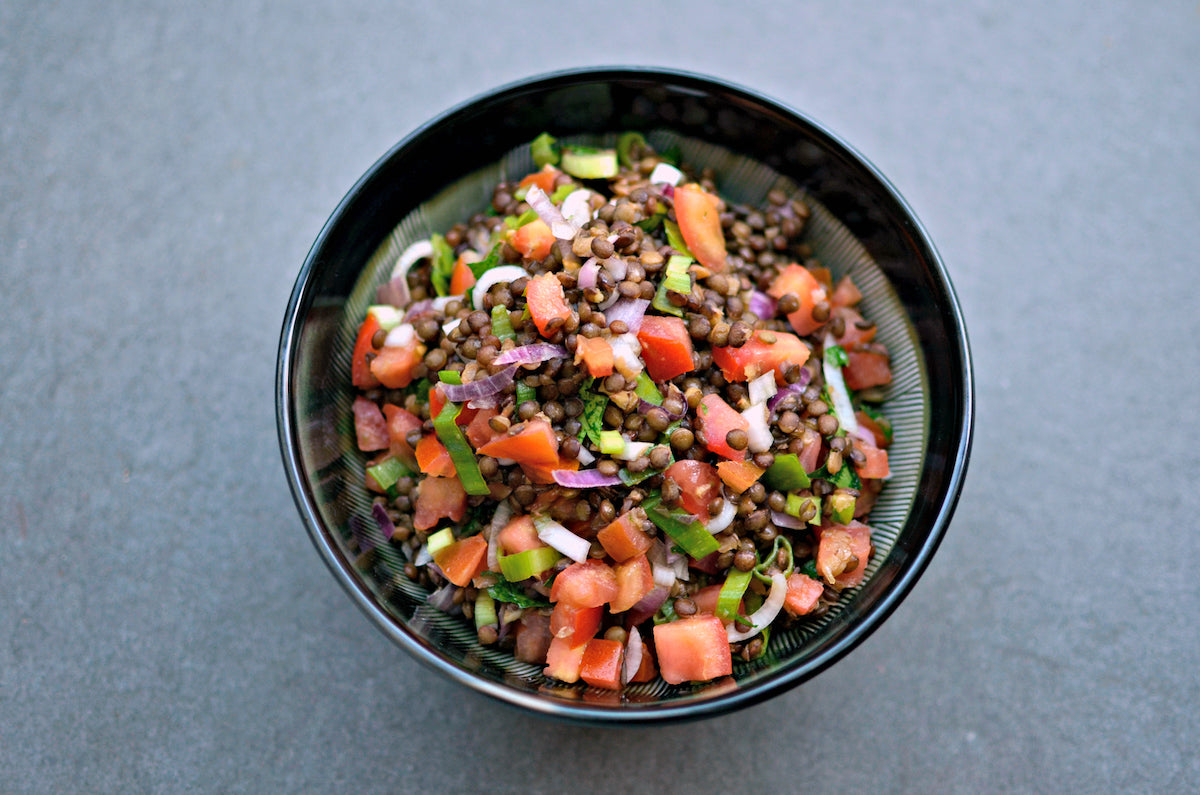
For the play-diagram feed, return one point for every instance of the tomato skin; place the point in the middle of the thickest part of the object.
(666, 347)
(635, 579)
(757, 357)
(601, 664)
(437, 499)
(394, 366)
(876, 465)
(802, 594)
(799, 281)
(478, 431)
(462, 278)
(360, 372)
(698, 215)
(852, 336)
(589, 584)
(463, 560)
(544, 179)
(596, 354)
(546, 301)
(370, 428)
(535, 444)
(534, 240)
(577, 624)
(845, 293)
(433, 458)
(399, 423)
(692, 649)
(624, 537)
(835, 544)
(716, 419)
(698, 482)
(865, 369)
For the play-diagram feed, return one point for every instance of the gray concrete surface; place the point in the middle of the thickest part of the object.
(166, 626)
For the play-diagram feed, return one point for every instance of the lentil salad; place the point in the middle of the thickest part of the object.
(613, 417)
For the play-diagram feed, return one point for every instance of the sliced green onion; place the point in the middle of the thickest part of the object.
(732, 592)
(452, 377)
(518, 221)
(663, 304)
(530, 563)
(611, 442)
(563, 191)
(647, 390)
(501, 323)
(691, 536)
(841, 506)
(795, 507)
(544, 150)
(678, 280)
(387, 472)
(440, 540)
(485, 610)
(525, 392)
(787, 473)
(586, 162)
(625, 146)
(675, 237)
(460, 451)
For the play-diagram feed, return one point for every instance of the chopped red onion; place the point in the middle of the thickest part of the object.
(629, 311)
(588, 274)
(665, 174)
(393, 292)
(791, 389)
(577, 207)
(412, 255)
(781, 519)
(385, 521)
(648, 605)
(633, 655)
(554, 534)
(419, 308)
(491, 276)
(762, 305)
(584, 478)
(763, 616)
(401, 336)
(499, 520)
(763, 388)
(442, 598)
(838, 391)
(664, 576)
(585, 457)
(541, 204)
(484, 387)
(617, 267)
(532, 354)
(627, 354)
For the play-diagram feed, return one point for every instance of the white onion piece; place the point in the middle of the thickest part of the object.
(663, 575)
(633, 655)
(665, 173)
(562, 539)
(448, 327)
(541, 204)
(627, 353)
(722, 520)
(414, 253)
(838, 391)
(499, 520)
(587, 274)
(585, 456)
(501, 273)
(761, 618)
(617, 267)
(679, 564)
(388, 317)
(759, 431)
(763, 388)
(401, 336)
(577, 207)
(423, 557)
(634, 450)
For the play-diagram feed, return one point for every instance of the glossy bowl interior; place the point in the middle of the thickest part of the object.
(443, 172)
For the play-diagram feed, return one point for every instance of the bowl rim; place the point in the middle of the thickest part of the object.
(866, 622)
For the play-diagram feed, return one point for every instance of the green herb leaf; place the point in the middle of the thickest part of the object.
(505, 591)
(592, 418)
(443, 264)
(836, 355)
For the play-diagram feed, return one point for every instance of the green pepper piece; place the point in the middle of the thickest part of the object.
(732, 592)
(647, 390)
(501, 324)
(452, 377)
(787, 473)
(387, 472)
(460, 451)
(841, 505)
(440, 540)
(485, 610)
(525, 392)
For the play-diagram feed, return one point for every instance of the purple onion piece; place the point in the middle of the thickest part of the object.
(394, 292)
(791, 389)
(644, 407)
(532, 354)
(762, 305)
(385, 521)
(630, 311)
(584, 479)
(588, 274)
(780, 519)
(648, 605)
(418, 308)
(442, 598)
(483, 388)
(362, 536)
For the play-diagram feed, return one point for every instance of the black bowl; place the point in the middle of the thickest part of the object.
(865, 227)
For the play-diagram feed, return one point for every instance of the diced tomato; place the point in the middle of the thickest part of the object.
(534, 240)
(588, 584)
(666, 347)
(596, 354)
(478, 431)
(463, 560)
(544, 473)
(692, 649)
(876, 465)
(394, 366)
(625, 537)
(360, 371)
(799, 281)
(810, 452)
(534, 444)
(716, 419)
(846, 293)
(532, 637)
(601, 665)
(705, 599)
(433, 458)
(865, 422)
(462, 278)
(852, 336)
(802, 594)
(437, 499)
(698, 214)
(399, 424)
(437, 401)
(563, 660)
(647, 670)
(698, 482)
(546, 301)
(370, 427)
(635, 579)
(519, 535)
(571, 621)
(706, 564)
(544, 179)
(866, 369)
(739, 475)
(757, 357)
(836, 545)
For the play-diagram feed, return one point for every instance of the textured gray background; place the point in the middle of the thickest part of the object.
(165, 624)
